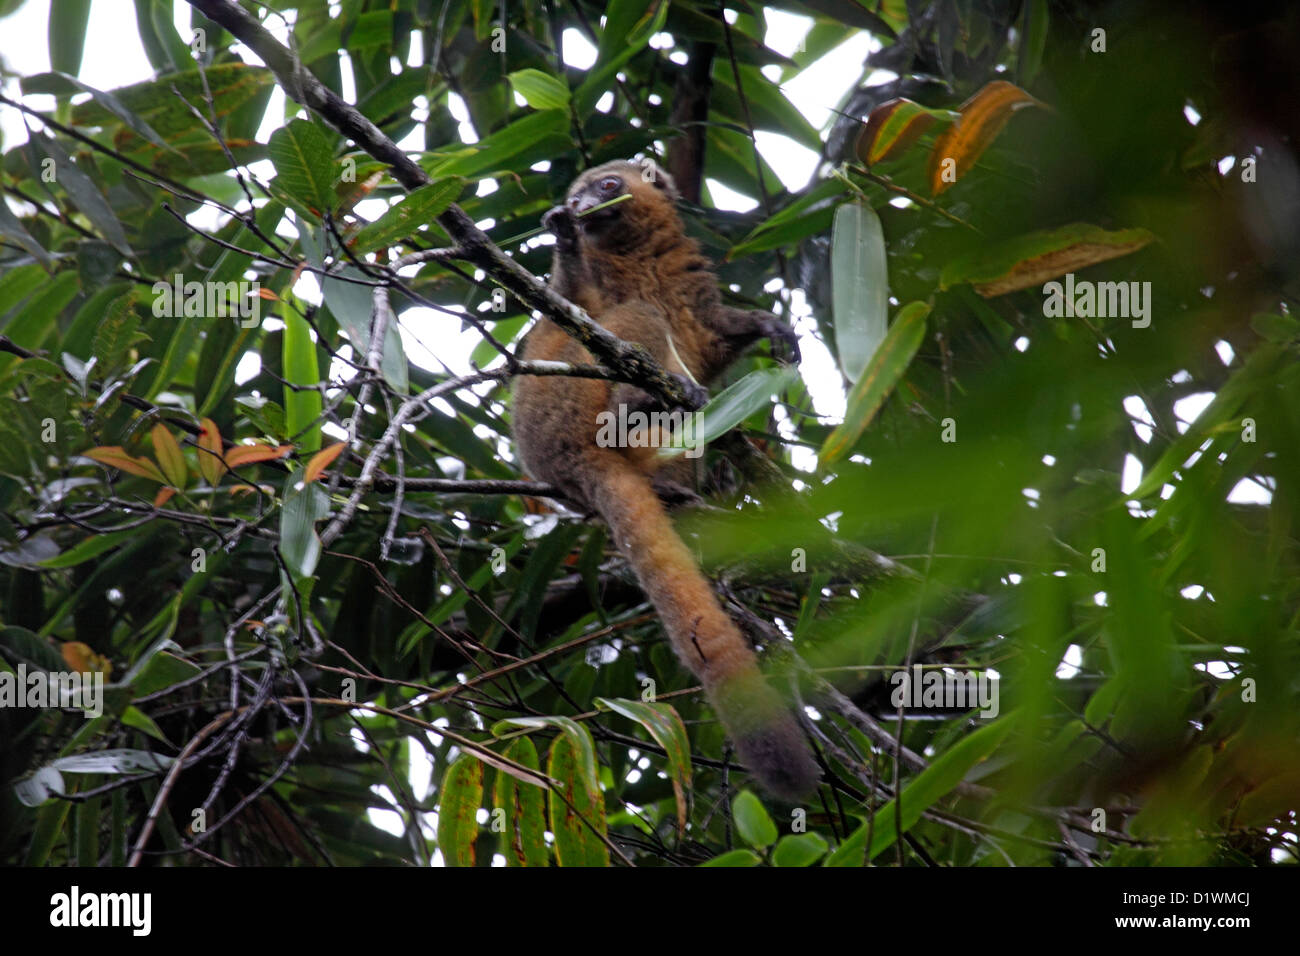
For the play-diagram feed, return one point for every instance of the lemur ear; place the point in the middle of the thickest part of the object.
(655, 174)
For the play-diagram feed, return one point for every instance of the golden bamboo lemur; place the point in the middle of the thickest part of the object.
(632, 267)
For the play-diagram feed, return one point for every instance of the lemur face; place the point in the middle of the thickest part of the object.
(646, 184)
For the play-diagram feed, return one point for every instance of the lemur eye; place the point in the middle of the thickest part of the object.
(573, 201)
(609, 184)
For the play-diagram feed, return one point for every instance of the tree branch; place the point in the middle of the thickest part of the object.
(301, 86)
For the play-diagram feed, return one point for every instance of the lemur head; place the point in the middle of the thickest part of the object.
(649, 210)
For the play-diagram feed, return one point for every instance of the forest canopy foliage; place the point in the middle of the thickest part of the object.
(255, 467)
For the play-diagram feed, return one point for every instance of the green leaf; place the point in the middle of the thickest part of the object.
(404, 219)
(135, 717)
(665, 727)
(160, 671)
(232, 85)
(22, 646)
(732, 406)
(799, 849)
(735, 858)
(31, 323)
(577, 734)
(575, 843)
(538, 131)
(752, 821)
(859, 286)
(67, 35)
(83, 192)
(523, 842)
(64, 83)
(351, 304)
(930, 785)
(162, 44)
(540, 90)
(265, 414)
(116, 333)
(504, 331)
(458, 805)
(304, 165)
(809, 214)
(91, 547)
(883, 372)
(601, 76)
(303, 507)
(302, 406)
(1256, 374)
(1280, 329)
(11, 227)
(1034, 17)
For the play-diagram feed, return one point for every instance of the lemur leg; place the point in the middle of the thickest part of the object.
(650, 424)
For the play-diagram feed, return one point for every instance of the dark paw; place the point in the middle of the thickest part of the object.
(696, 395)
(785, 344)
(560, 221)
(674, 494)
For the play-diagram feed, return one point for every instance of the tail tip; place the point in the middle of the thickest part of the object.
(780, 760)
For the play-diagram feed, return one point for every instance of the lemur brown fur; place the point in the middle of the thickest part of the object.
(634, 270)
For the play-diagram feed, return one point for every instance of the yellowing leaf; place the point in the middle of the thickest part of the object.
(169, 456)
(1032, 259)
(322, 460)
(894, 126)
(211, 465)
(980, 120)
(458, 805)
(115, 456)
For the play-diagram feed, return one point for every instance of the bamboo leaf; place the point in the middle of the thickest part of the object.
(1030, 260)
(523, 843)
(980, 120)
(859, 286)
(665, 727)
(540, 90)
(458, 805)
(887, 367)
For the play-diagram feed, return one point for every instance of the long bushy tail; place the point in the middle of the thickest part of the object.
(764, 732)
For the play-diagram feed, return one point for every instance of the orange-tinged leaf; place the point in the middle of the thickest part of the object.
(980, 120)
(79, 657)
(164, 495)
(248, 454)
(894, 126)
(115, 456)
(267, 294)
(169, 456)
(322, 460)
(1027, 261)
(211, 465)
